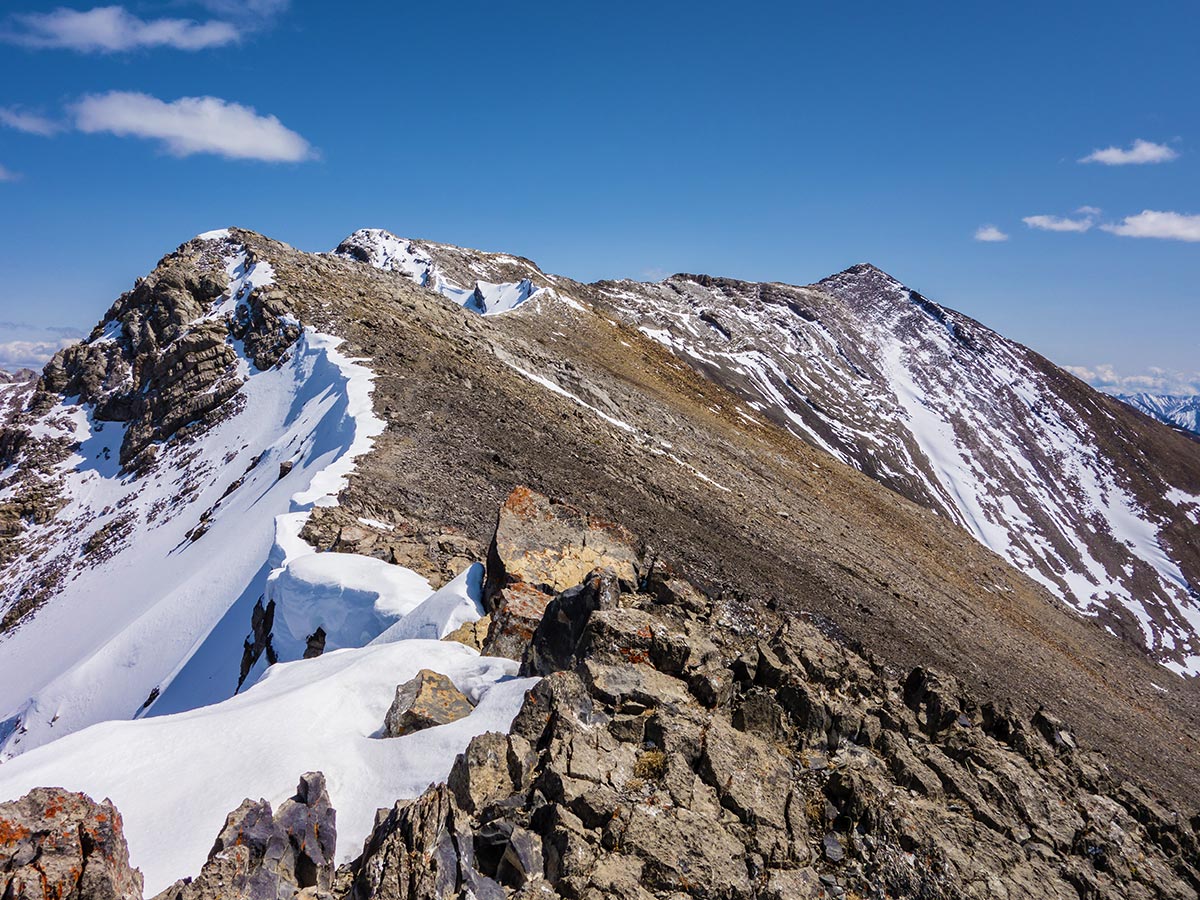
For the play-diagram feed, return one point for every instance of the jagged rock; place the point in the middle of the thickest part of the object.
(314, 644)
(552, 546)
(263, 856)
(424, 701)
(814, 773)
(751, 778)
(555, 642)
(483, 772)
(416, 852)
(258, 641)
(59, 845)
(12, 440)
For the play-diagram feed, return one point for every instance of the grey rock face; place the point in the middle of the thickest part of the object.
(260, 855)
(424, 701)
(59, 845)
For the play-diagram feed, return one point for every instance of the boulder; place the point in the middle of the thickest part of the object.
(59, 845)
(424, 701)
(552, 546)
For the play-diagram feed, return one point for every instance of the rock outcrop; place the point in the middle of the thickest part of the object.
(59, 845)
(541, 547)
(162, 360)
(260, 855)
(424, 701)
(663, 755)
(669, 752)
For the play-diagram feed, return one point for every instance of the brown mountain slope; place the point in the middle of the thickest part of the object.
(747, 506)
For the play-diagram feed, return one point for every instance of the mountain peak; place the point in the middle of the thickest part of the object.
(863, 272)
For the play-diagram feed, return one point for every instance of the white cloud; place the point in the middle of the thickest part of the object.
(990, 234)
(192, 125)
(1089, 211)
(110, 29)
(1149, 223)
(8, 174)
(30, 354)
(1153, 380)
(1140, 153)
(1061, 223)
(30, 123)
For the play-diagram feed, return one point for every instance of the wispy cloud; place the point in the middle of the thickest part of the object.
(1149, 223)
(192, 125)
(1154, 380)
(30, 354)
(1138, 154)
(258, 9)
(8, 174)
(112, 29)
(68, 331)
(990, 234)
(30, 123)
(1085, 219)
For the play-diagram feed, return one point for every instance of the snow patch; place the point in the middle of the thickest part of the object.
(385, 251)
(175, 778)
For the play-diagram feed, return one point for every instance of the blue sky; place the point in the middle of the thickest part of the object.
(756, 140)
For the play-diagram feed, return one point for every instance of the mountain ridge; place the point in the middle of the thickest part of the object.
(592, 410)
(934, 455)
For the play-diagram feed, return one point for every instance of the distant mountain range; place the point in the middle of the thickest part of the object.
(1176, 410)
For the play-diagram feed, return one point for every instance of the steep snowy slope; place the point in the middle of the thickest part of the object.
(1040, 469)
(144, 563)
(1178, 411)
(1047, 473)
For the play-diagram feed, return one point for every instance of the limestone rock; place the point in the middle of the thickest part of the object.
(556, 639)
(59, 845)
(424, 701)
(553, 546)
(471, 634)
(482, 773)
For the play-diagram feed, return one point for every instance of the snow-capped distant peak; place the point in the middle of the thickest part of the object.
(386, 251)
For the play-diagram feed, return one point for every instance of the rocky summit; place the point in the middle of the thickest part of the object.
(693, 588)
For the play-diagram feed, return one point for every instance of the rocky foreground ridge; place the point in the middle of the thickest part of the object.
(669, 752)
